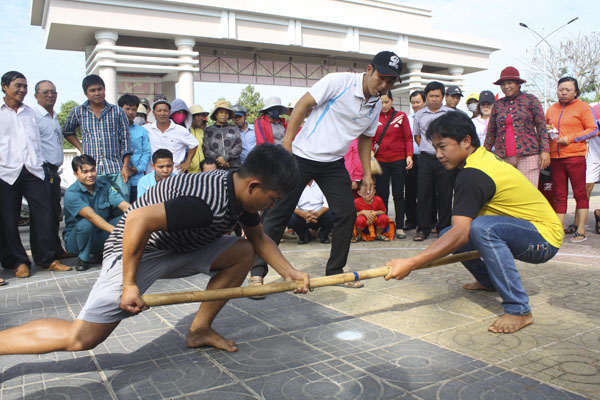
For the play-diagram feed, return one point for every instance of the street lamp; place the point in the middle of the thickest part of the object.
(543, 39)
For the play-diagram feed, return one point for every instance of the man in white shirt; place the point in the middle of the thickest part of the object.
(52, 150)
(346, 106)
(22, 174)
(312, 212)
(163, 133)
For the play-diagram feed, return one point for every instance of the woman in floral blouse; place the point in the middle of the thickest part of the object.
(517, 128)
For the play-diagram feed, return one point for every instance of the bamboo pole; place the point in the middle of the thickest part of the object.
(160, 299)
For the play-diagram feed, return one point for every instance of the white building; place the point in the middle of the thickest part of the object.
(162, 46)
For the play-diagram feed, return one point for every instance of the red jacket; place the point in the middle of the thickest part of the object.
(397, 143)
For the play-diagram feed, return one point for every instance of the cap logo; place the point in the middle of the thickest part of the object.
(394, 61)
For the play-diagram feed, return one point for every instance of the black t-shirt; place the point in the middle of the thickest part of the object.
(473, 188)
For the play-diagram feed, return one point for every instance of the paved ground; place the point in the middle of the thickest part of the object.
(422, 338)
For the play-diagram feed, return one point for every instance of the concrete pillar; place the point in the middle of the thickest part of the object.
(185, 83)
(108, 74)
(457, 75)
(415, 81)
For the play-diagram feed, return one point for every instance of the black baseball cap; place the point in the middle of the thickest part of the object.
(387, 63)
(487, 96)
(453, 89)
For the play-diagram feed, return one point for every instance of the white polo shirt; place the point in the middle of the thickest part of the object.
(312, 198)
(342, 114)
(176, 139)
(19, 143)
(50, 135)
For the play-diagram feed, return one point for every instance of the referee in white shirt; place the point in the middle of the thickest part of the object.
(345, 106)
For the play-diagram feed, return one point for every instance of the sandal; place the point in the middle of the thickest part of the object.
(351, 285)
(256, 281)
(382, 238)
(420, 237)
(569, 230)
(597, 221)
(400, 234)
(578, 238)
(3, 282)
(355, 239)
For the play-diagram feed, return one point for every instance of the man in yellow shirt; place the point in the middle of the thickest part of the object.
(497, 212)
(197, 129)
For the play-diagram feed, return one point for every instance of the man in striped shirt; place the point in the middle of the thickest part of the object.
(104, 134)
(177, 228)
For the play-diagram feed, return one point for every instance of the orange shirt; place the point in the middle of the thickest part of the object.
(575, 121)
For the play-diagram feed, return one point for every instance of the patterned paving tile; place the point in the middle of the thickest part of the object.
(230, 392)
(78, 387)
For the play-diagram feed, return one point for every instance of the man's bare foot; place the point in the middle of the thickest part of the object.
(477, 286)
(511, 323)
(209, 337)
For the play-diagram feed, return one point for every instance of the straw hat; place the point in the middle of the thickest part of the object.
(196, 109)
(221, 104)
(142, 110)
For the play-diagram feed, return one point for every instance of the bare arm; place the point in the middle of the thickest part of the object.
(268, 251)
(123, 206)
(305, 103)
(140, 224)
(364, 153)
(452, 240)
(74, 140)
(188, 159)
(99, 222)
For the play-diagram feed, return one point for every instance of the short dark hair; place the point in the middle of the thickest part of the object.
(417, 93)
(389, 94)
(274, 166)
(455, 125)
(10, 76)
(37, 85)
(129, 100)
(570, 79)
(82, 160)
(207, 161)
(91, 80)
(435, 85)
(161, 153)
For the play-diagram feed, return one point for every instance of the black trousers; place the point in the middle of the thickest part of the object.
(334, 181)
(434, 180)
(53, 182)
(324, 223)
(410, 190)
(37, 194)
(394, 172)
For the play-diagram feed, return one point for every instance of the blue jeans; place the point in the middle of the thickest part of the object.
(500, 240)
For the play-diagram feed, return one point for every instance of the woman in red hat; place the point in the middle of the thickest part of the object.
(517, 128)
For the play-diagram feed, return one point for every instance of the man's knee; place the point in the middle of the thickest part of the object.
(84, 226)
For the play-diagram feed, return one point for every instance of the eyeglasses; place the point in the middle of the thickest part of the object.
(49, 93)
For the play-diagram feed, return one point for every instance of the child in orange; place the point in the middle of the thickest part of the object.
(370, 211)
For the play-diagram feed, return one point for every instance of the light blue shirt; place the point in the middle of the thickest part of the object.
(248, 141)
(416, 150)
(141, 151)
(50, 135)
(146, 182)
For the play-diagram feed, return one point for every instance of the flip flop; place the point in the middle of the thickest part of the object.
(597, 221)
(578, 238)
(571, 229)
(382, 238)
(351, 285)
(3, 282)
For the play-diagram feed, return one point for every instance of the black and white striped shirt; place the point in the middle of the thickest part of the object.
(200, 208)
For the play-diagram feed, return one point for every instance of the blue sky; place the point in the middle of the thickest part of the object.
(24, 47)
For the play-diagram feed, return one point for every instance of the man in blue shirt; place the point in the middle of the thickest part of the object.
(246, 130)
(162, 164)
(104, 134)
(139, 143)
(88, 204)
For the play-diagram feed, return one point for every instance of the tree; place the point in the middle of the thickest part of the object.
(65, 110)
(578, 57)
(250, 99)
